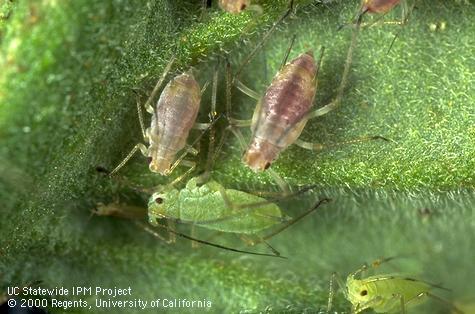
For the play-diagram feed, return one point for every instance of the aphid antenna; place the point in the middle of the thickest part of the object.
(151, 231)
(155, 90)
(319, 66)
(405, 19)
(344, 80)
(287, 53)
(264, 39)
(356, 20)
(296, 219)
(213, 116)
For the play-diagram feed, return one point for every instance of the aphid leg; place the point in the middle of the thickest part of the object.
(437, 298)
(344, 78)
(335, 278)
(264, 39)
(152, 232)
(155, 90)
(336, 102)
(283, 185)
(194, 244)
(317, 146)
(406, 12)
(247, 90)
(287, 53)
(234, 124)
(172, 226)
(143, 149)
(360, 307)
(212, 132)
(187, 163)
(403, 304)
(190, 149)
(204, 242)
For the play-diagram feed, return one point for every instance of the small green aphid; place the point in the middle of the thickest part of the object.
(210, 203)
(385, 293)
(214, 207)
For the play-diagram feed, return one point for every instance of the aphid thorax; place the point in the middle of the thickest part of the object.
(279, 118)
(172, 120)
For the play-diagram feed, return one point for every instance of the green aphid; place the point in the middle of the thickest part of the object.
(385, 293)
(212, 206)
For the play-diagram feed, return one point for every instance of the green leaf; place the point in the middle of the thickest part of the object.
(69, 79)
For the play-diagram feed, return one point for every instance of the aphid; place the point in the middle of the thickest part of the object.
(378, 6)
(283, 111)
(384, 293)
(234, 6)
(172, 119)
(382, 7)
(214, 207)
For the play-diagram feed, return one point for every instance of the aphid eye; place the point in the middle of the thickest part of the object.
(243, 7)
(159, 200)
(149, 159)
(267, 166)
(364, 292)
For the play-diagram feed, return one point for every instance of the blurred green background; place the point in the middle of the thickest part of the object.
(69, 70)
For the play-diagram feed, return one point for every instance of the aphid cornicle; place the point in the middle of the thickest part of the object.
(172, 119)
(385, 293)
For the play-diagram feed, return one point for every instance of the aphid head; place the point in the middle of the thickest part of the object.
(260, 155)
(160, 165)
(357, 291)
(162, 205)
(306, 61)
(187, 80)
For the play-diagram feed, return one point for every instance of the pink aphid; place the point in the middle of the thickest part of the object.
(378, 6)
(280, 116)
(172, 120)
(234, 6)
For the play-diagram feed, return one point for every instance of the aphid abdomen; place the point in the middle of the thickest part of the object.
(379, 6)
(206, 207)
(234, 6)
(174, 116)
(279, 120)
